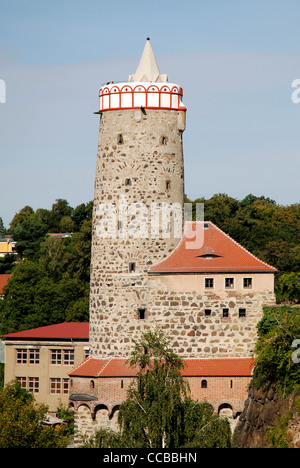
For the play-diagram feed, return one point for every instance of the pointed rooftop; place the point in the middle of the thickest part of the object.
(147, 70)
(218, 253)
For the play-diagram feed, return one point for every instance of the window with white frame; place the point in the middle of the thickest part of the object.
(247, 283)
(22, 356)
(209, 283)
(33, 384)
(68, 357)
(56, 356)
(34, 356)
(55, 385)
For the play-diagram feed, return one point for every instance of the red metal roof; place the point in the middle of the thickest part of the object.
(66, 330)
(118, 367)
(213, 251)
(3, 281)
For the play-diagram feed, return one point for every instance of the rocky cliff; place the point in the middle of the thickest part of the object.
(268, 420)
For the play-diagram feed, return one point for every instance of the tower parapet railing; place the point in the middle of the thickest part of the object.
(117, 96)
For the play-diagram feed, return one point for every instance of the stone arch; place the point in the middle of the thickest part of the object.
(225, 410)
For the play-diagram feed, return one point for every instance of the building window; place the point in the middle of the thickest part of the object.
(120, 140)
(55, 385)
(225, 313)
(21, 356)
(33, 384)
(209, 283)
(231, 383)
(69, 357)
(247, 283)
(86, 353)
(163, 140)
(229, 283)
(203, 383)
(142, 314)
(131, 267)
(207, 312)
(122, 384)
(242, 313)
(127, 182)
(65, 386)
(92, 384)
(34, 356)
(168, 184)
(23, 381)
(56, 356)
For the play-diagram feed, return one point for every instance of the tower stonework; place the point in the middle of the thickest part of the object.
(207, 297)
(139, 170)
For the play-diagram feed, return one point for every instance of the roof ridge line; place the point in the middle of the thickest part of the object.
(79, 365)
(244, 248)
(109, 359)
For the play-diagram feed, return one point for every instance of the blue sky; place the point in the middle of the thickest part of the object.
(235, 59)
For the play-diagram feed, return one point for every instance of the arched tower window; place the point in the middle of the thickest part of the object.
(204, 383)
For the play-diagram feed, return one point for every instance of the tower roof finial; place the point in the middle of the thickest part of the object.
(147, 69)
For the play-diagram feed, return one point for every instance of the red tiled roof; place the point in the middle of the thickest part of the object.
(3, 281)
(215, 252)
(117, 367)
(66, 330)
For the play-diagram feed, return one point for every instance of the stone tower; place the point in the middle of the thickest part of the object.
(139, 171)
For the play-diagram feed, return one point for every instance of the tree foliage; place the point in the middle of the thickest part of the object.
(50, 280)
(158, 411)
(22, 421)
(277, 332)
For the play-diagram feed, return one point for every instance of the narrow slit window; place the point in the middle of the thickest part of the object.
(168, 185)
(127, 182)
(120, 139)
(131, 267)
(142, 314)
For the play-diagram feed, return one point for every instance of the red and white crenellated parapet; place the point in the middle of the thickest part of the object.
(136, 95)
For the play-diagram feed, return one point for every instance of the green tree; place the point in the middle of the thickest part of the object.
(2, 228)
(277, 331)
(288, 288)
(22, 421)
(35, 299)
(158, 411)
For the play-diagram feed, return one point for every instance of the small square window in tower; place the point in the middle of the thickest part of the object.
(209, 283)
(229, 283)
(141, 314)
(247, 283)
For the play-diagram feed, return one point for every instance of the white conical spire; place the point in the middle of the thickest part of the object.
(148, 70)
